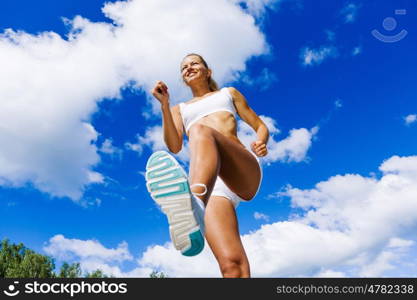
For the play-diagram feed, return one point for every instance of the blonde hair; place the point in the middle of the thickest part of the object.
(211, 82)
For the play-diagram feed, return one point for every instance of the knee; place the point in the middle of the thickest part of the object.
(233, 267)
(198, 131)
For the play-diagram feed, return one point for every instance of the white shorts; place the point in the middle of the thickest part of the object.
(221, 189)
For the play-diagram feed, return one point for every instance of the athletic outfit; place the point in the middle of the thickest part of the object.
(193, 112)
(168, 184)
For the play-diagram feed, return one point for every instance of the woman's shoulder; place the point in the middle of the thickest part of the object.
(231, 89)
(233, 92)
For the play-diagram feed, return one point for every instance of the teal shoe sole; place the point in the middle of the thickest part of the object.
(168, 186)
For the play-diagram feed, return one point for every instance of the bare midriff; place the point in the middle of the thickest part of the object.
(222, 121)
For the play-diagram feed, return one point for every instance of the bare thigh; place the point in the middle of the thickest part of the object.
(239, 169)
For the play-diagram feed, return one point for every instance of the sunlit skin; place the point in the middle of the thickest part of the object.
(215, 150)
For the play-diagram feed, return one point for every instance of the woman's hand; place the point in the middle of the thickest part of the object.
(160, 92)
(259, 148)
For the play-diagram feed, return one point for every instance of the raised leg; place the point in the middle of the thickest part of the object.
(213, 154)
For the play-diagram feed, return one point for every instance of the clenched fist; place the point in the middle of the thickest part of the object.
(259, 148)
(160, 92)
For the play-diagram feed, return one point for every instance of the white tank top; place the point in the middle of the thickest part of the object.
(219, 101)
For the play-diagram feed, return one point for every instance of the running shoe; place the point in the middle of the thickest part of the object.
(168, 186)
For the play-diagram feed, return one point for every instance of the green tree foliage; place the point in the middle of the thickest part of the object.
(156, 274)
(96, 274)
(17, 261)
(70, 271)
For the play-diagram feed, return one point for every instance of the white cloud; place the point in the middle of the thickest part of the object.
(271, 124)
(330, 274)
(262, 82)
(350, 226)
(293, 148)
(92, 255)
(357, 50)
(400, 243)
(260, 216)
(154, 140)
(331, 35)
(137, 147)
(63, 248)
(350, 12)
(338, 103)
(95, 177)
(311, 57)
(171, 262)
(380, 264)
(258, 7)
(406, 166)
(410, 119)
(90, 202)
(50, 86)
(108, 148)
(346, 226)
(247, 135)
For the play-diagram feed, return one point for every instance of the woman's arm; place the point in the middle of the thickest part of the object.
(251, 118)
(172, 127)
(171, 119)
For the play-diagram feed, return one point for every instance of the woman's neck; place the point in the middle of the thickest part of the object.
(200, 89)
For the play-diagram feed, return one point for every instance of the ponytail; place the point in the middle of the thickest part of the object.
(211, 82)
(213, 85)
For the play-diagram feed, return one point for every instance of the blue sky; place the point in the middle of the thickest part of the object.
(78, 126)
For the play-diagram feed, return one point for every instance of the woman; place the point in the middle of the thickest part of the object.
(222, 171)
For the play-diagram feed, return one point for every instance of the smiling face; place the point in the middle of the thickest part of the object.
(194, 69)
